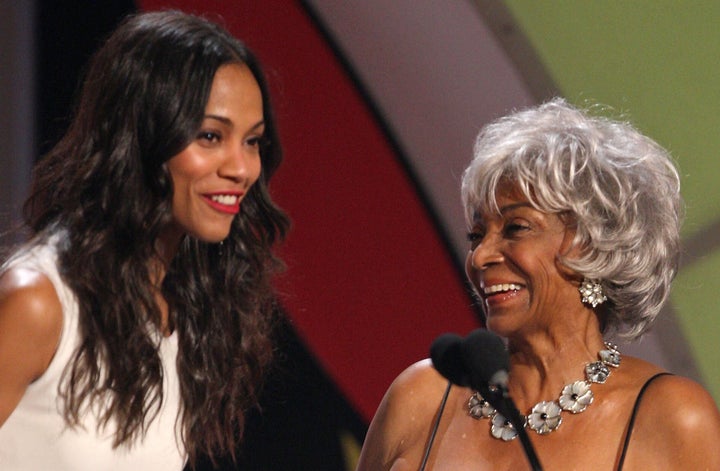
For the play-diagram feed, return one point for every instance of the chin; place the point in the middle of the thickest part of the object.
(500, 327)
(211, 237)
(216, 240)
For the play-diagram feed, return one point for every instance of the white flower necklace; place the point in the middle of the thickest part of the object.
(545, 415)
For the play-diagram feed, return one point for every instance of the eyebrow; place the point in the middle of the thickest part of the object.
(505, 209)
(511, 207)
(227, 121)
(222, 119)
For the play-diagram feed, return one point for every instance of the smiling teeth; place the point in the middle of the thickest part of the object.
(504, 287)
(225, 199)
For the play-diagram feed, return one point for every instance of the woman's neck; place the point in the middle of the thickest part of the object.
(542, 362)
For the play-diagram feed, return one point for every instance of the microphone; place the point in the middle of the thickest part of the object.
(487, 362)
(486, 358)
(447, 357)
(481, 362)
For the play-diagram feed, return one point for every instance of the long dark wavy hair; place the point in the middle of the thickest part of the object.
(106, 185)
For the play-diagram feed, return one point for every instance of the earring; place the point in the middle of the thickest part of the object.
(592, 292)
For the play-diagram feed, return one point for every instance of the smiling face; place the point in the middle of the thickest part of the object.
(514, 266)
(216, 170)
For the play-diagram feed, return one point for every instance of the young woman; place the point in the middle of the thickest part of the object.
(135, 322)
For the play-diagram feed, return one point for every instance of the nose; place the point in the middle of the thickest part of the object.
(240, 164)
(485, 254)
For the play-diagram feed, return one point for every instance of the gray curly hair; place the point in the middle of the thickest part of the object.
(620, 188)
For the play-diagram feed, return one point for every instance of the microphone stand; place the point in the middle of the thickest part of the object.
(519, 423)
(502, 401)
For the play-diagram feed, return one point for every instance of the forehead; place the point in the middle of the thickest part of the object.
(234, 83)
(507, 194)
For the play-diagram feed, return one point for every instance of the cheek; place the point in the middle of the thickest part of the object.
(540, 269)
(191, 164)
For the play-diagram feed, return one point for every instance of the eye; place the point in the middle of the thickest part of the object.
(475, 237)
(257, 142)
(515, 228)
(208, 136)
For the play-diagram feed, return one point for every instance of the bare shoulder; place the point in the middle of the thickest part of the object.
(416, 392)
(30, 327)
(29, 301)
(403, 419)
(30, 319)
(419, 379)
(671, 398)
(679, 417)
(683, 402)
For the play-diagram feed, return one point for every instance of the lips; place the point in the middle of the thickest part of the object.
(225, 202)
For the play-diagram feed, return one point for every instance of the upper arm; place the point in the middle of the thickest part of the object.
(680, 425)
(30, 326)
(403, 418)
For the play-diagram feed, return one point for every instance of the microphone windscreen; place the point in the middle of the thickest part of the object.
(447, 357)
(485, 355)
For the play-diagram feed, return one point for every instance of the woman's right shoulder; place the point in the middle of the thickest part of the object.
(31, 289)
(418, 381)
(403, 419)
(31, 314)
(30, 327)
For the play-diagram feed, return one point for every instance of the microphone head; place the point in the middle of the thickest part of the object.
(447, 357)
(486, 359)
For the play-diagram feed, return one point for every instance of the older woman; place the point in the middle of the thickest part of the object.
(574, 235)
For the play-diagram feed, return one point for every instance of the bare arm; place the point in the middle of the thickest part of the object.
(397, 434)
(30, 326)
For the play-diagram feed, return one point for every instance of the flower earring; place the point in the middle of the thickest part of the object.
(592, 292)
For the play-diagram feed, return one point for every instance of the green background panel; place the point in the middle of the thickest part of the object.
(694, 294)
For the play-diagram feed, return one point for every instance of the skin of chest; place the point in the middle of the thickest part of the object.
(590, 440)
